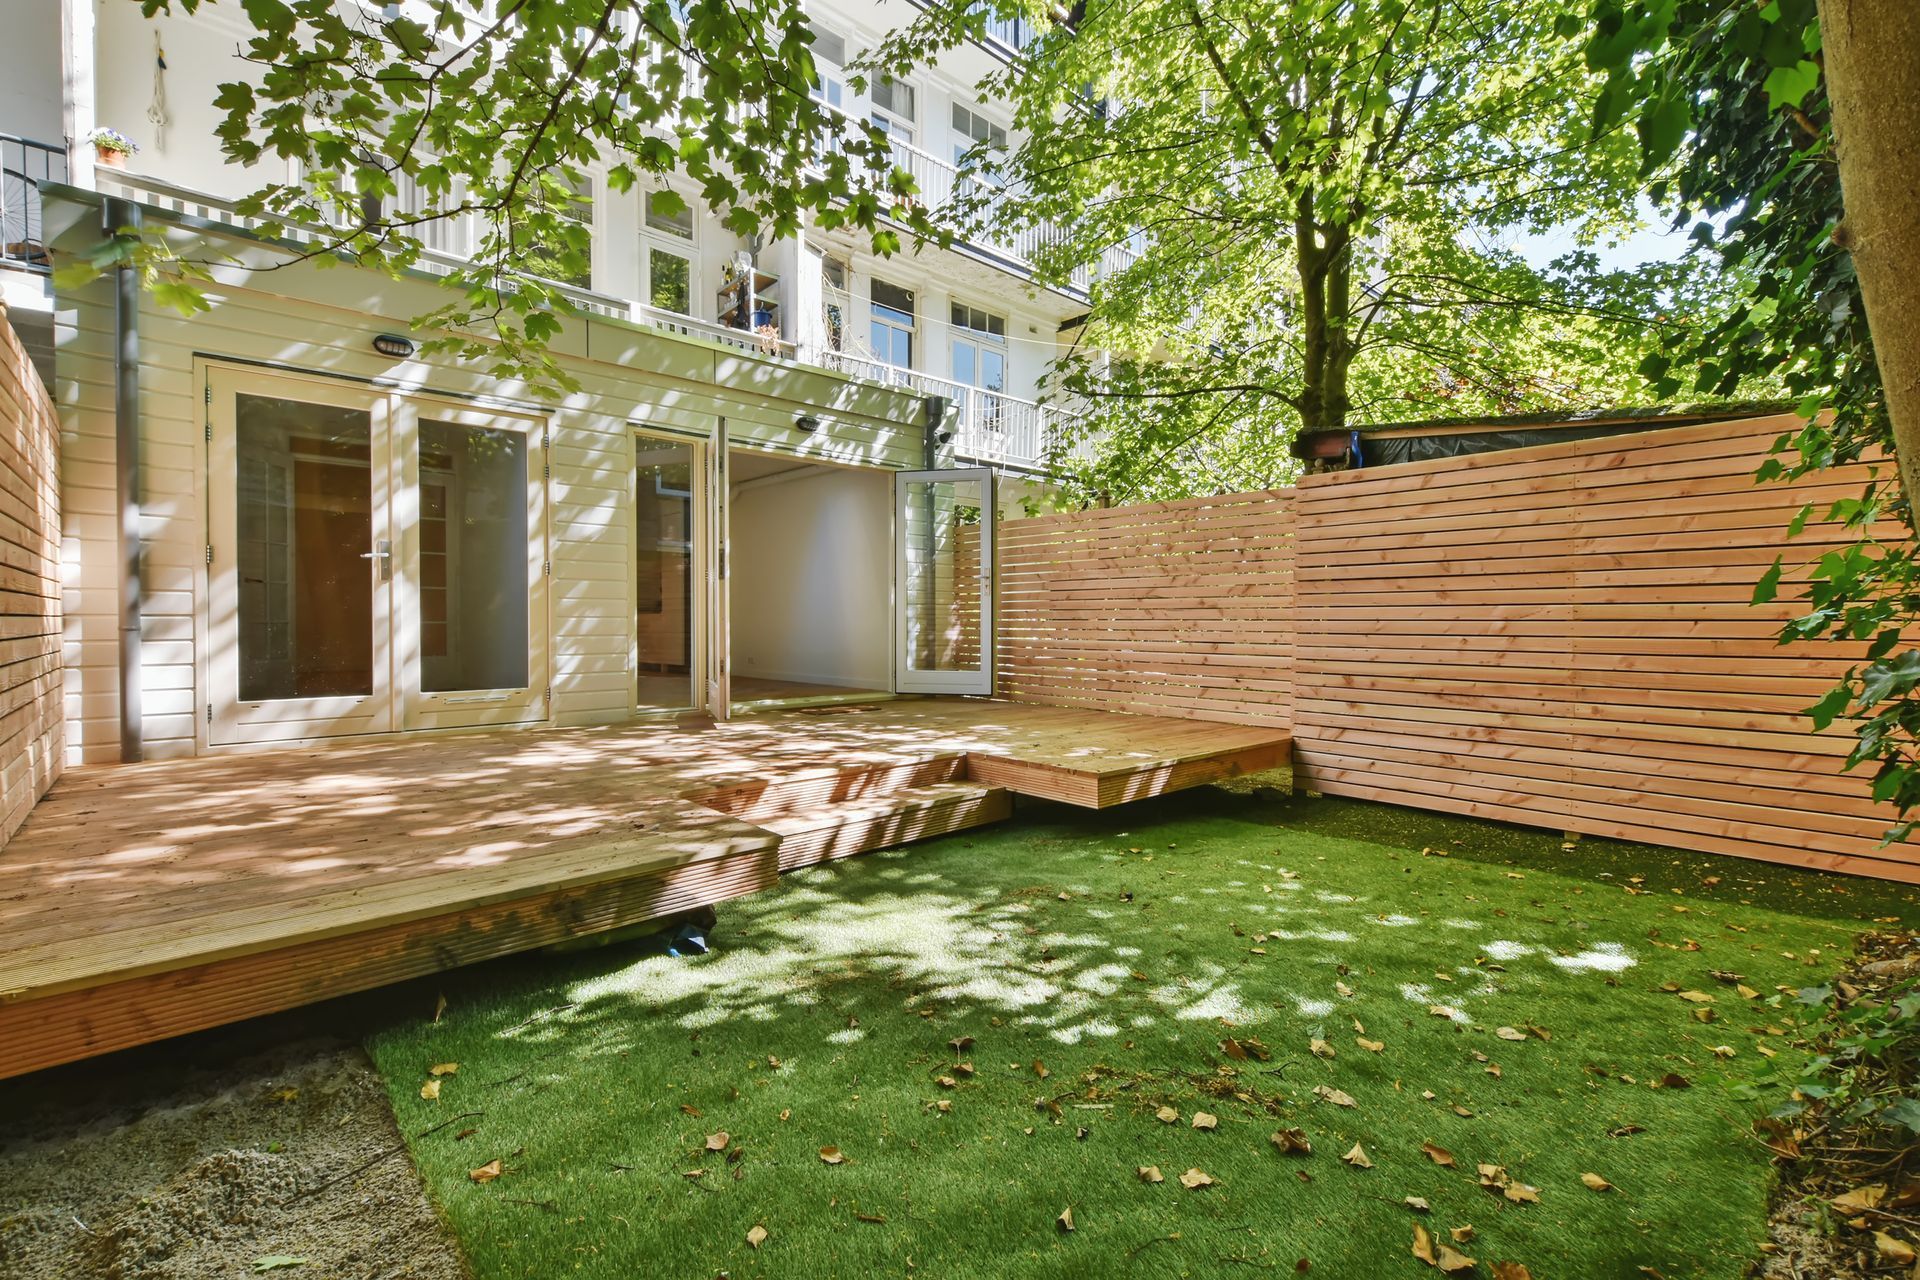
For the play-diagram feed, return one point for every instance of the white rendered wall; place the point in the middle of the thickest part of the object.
(811, 560)
(30, 75)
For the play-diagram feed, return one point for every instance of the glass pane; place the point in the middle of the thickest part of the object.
(678, 223)
(473, 558)
(943, 577)
(304, 528)
(663, 584)
(993, 369)
(963, 363)
(669, 281)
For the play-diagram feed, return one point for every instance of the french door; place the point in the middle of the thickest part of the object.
(943, 589)
(375, 561)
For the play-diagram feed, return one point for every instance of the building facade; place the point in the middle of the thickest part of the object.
(284, 524)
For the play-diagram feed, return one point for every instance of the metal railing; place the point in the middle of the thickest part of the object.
(993, 427)
(25, 165)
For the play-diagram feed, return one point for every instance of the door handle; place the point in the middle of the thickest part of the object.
(383, 552)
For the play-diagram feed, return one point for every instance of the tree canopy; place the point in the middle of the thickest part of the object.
(1318, 204)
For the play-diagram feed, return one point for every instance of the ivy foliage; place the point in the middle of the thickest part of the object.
(508, 112)
(1730, 96)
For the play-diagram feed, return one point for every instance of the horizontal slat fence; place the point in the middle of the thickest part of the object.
(1563, 636)
(1173, 608)
(32, 734)
(1560, 636)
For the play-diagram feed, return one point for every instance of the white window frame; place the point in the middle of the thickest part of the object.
(687, 247)
(911, 329)
(898, 125)
(964, 142)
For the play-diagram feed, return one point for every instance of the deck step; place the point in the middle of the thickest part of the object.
(824, 789)
(846, 828)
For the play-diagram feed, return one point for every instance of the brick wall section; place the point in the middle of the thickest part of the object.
(32, 733)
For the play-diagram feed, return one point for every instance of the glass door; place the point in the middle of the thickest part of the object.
(374, 561)
(667, 574)
(472, 603)
(299, 559)
(943, 589)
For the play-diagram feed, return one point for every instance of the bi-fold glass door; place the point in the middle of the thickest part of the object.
(375, 561)
(943, 591)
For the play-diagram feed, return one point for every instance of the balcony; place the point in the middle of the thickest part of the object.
(938, 182)
(26, 166)
(447, 246)
(993, 427)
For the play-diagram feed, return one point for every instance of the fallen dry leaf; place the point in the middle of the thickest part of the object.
(1358, 1157)
(1462, 1234)
(1326, 1093)
(832, 1155)
(1040, 1069)
(1320, 1049)
(960, 1044)
(1065, 1220)
(1511, 1271)
(1205, 1120)
(1439, 1155)
(443, 1068)
(1292, 1141)
(757, 1236)
(486, 1172)
(1194, 1179)
(1150, 1173)
(1371, 1046)
(1893, 1249)
(1453, 1262)
(1508, 1033)
(1167, 1115)
(718, 1141)
(690, 1109)
(1495, 1178)
(430, 1090)
(1594, 1182)
(1860, 1199)
(1417, 1204)
(1423, 1246)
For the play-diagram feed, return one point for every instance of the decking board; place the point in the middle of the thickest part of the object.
(140, 902)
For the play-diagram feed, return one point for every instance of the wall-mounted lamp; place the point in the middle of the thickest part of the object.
(806, 423)
(393, 344)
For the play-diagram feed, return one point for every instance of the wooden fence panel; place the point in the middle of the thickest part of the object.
(1173, 608)
(32, 690)
(1563, 636)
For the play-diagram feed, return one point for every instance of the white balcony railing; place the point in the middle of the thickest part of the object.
(993, 426)
(447, 245)
(937, 183)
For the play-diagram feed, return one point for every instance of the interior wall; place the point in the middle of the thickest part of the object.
(811, 563)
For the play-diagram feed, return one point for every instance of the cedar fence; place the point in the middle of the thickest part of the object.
(32, 715)
(1560, 636)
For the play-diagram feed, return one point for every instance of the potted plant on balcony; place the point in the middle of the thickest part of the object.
(111, 147)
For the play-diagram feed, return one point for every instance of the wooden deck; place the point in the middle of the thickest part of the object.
(140, 902)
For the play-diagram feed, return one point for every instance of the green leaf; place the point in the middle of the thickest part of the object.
(1768, 587)
(1789, 86)
(1661, 128)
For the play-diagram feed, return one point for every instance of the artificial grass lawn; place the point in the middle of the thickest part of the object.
(823, 1019)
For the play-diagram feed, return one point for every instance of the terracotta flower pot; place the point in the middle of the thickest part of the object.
(110, 159)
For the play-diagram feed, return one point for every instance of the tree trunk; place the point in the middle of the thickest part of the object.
(1872, 50)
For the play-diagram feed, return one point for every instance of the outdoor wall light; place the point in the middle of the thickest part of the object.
(393, 344)
(806, 423)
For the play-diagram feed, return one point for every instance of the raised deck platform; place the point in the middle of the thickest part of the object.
(146, 901)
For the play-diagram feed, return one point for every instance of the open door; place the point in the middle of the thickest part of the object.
(943, 581)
